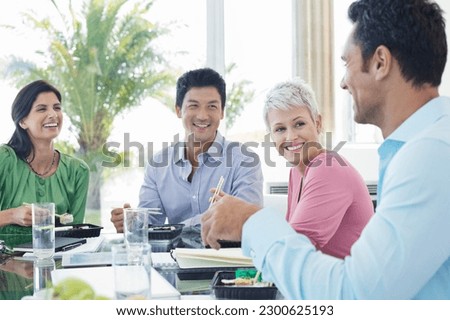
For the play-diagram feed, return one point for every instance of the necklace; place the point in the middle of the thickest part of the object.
(49, 168)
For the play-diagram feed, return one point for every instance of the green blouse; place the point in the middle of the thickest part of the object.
(67, 187)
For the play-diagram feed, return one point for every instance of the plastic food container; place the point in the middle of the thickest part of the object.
(83, 230)
(233, 292)
(164, 232)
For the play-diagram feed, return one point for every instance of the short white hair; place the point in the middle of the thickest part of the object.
(290, 94)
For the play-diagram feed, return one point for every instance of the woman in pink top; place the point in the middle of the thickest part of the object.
(327, 198)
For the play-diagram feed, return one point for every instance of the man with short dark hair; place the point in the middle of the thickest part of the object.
(178, 178)
(394, 59)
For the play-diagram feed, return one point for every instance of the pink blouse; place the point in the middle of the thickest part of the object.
(334, 204)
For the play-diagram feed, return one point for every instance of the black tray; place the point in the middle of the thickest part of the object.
(222, 291)
(206, 273)
(227, 244)
(82, 230)
(164, 232)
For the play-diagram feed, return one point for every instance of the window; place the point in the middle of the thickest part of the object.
(258, 38)
(345, 128)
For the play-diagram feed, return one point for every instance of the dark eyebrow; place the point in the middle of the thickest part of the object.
(209, 102)
(45, 105)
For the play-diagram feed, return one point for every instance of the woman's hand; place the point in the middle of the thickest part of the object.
(22, 268)
(21, 216)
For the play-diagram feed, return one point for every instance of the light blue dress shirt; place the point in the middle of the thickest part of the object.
(166, 184)
(404, 251)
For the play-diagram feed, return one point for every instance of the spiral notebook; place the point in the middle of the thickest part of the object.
(160, 260)
(163, 260)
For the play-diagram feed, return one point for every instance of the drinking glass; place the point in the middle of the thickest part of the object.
(132, 265)
(43, 229)
(42, 274)
(135, 226)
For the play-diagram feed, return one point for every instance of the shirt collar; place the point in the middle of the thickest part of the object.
(421, 119)
(214, 152)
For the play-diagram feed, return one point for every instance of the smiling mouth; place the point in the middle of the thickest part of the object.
(294, 148)
(51, 125)
(201, 126)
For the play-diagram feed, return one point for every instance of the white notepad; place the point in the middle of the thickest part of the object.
(102, 281)
(210, 258)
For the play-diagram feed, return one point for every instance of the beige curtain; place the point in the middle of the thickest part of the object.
(313, 52)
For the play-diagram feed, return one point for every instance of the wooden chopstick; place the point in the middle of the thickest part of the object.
(63, 218)
(218, 189)
(255, 279)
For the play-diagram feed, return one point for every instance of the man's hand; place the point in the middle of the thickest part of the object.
(117, 217)
(224, 220)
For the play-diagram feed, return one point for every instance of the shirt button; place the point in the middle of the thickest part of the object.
(41, 181)
(194, 197)
(41, 193)
(252, 253)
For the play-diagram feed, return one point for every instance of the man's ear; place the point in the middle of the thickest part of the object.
(178, 111)
(382, 62)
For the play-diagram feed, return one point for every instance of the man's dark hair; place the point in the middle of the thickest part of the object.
(204, 77)
(413, 30)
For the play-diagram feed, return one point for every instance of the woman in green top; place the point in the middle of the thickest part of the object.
(31, 170)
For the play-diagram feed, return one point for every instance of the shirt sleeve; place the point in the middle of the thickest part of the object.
(4, 169)
(149, 196)
(248, 180)
(78, 203)
(401, 253)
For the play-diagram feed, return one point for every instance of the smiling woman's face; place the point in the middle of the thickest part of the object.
(295, 134)
(44, 122)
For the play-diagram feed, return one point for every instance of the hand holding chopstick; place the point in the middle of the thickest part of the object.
(64, 218)
(217, 191)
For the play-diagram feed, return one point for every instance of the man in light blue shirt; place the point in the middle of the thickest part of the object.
(394, 58)
(178, 179)
(184, 196)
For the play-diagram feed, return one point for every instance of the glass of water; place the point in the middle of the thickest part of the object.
(132, 265)
(135, 226)
(42, 274)
(43, 228)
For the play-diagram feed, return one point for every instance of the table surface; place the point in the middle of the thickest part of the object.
(17, 275)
